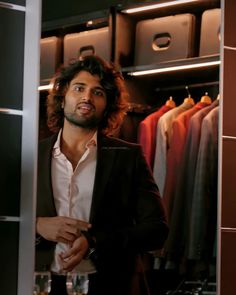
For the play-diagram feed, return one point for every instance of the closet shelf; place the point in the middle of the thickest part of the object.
(173, 66)
(80, 22)
(162, 68)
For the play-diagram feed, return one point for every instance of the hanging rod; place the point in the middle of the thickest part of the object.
(182, 87)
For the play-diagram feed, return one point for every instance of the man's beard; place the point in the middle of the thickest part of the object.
(87, 123)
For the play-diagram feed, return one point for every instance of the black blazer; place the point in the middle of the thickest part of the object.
(127, 214)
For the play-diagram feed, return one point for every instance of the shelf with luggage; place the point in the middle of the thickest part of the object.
(167, 44)
(165, 38)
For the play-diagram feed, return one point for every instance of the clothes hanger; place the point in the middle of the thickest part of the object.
(206, 98)
(189, 99)
(170, 102)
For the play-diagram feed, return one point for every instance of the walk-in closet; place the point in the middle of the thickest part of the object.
(178, 59)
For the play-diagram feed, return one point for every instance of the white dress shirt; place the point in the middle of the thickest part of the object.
(72, 191)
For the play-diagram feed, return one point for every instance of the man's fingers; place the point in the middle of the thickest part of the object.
(69, 263)
(82, 225)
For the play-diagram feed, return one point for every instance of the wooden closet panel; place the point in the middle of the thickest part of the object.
(228, 260)
(11, 52)
(9, 257)
(228, 183)
(229, 126)
(230, 23)
(10, 169)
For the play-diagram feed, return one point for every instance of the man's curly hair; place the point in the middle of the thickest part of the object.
(110, 79)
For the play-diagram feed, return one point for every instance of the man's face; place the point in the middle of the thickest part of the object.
(85, 101)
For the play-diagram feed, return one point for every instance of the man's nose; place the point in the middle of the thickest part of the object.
(87, 95)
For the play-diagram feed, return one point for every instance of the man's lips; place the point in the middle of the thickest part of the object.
(85, 107)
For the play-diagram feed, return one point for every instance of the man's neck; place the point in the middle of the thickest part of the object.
(74, 140)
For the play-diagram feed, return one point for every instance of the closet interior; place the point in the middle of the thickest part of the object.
(169, 54)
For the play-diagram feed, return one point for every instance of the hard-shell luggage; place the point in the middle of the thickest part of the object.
(164, 39)
(95, 41)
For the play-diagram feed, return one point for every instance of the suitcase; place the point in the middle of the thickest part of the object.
(96, 42)
(50, 57)
(164, 39)
(210, 32)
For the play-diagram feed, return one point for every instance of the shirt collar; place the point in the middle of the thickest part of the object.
(57, 150)
(93, 140)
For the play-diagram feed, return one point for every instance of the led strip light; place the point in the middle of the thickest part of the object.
(11, 111)
(12, 6)
(10, 218)
(174, 68)
(155, 6)
(45, 87)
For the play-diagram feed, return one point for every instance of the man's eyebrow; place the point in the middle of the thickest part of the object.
(78, 83)
(84, 84)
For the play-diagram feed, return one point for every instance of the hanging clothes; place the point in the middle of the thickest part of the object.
(175, 154)
(147, 132)
(203, 215)
(163, 138)
(184, 185)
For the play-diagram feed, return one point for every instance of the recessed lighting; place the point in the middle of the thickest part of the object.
(174, 68)
(156, 6)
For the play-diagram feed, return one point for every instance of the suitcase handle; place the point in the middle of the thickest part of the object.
(161, 41)
(84, 49)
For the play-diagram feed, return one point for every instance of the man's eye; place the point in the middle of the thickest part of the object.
(78, 88)
(98, 92)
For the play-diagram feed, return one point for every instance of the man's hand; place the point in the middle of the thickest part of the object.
(60, 228)
(74, 255)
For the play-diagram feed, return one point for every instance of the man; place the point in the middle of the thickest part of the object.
(98, 207)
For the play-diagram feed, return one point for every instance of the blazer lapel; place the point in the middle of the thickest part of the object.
(105, 160)
(45, 202)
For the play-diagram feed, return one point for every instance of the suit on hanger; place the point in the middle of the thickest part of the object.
(202, 224)
(175, 154)
(127, 215)
(185, 184)
(163, 138)
(147, 133)
(175, 159)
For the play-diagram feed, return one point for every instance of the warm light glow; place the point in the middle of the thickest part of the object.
(12, 6)
(155, 6)
(45, 87)
(174, 68)
(89, 23)
(11, 111)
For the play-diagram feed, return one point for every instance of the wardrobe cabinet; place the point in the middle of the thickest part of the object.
(152, 84)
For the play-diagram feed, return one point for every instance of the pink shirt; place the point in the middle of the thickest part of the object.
(72, 191)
